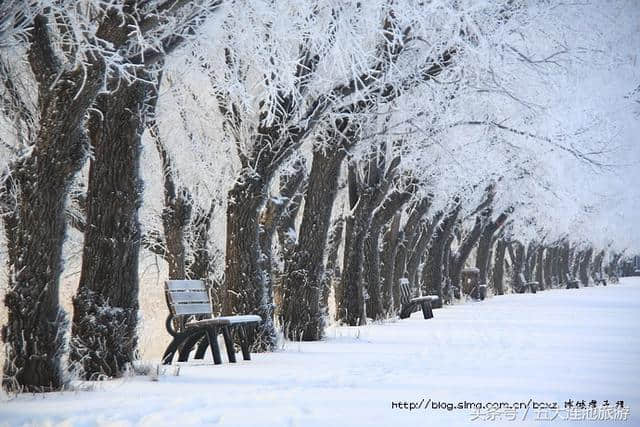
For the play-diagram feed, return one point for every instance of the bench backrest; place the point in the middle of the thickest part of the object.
(405, 292)
(187, 297)
(522, 279)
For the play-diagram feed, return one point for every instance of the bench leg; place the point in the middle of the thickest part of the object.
(244, 343)
(212, 340)
(228, 343)
(406, 311)
(187, 346)
(427, 312)
(173, 346)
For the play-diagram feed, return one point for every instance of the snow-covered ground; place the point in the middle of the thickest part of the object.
(550, 347)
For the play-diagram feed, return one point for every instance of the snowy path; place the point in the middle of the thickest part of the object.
(549, 347)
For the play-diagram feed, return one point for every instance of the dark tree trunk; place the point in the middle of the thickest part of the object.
(367, 194)
(303, 314)
(549, 255)
(245, 281)
(387, 263)
(483, 259)
(352, 304)
(463, 252)
(103, 337)
(382, 215)
(540, 268)
(176, 212)
(35, 193)
(517, 265)
(530, 261)
(585, 263)
(332, 270)
(498, 267)
(596, 266)
(290, 186)
(576, 260)
(407, 239)
(435, 259)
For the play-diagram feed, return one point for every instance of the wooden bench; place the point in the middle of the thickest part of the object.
(530, 286)
(191, 322)
(409, 304)
(571, 282)
(598, 278)
(479, 293)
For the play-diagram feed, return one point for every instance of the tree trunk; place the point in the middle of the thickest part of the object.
(407, 239)
(387, 263)
(540, 268)
(517, 266)
(596, 266)
(35, 193)
(332, 270)
(435, 260)
(105, 314)
(463, 252)
(303, 314)
(245, 281)
(498, 267)
(585, 263)
(383, 214)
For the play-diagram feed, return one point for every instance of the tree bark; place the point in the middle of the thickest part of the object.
(463, 252)
(303, 312)
(383, 214)
(585, 263)
(435, 260)
(517, 265)
(387, 263)
(498, 267)
(35, 193)
(103, 337)
(540, 268)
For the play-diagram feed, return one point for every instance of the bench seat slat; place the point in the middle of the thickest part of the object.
(184, 309)
(207, 322)
(193, 296)
(185, 285)
(247, 318)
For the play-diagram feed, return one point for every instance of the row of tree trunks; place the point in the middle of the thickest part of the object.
(367, 191)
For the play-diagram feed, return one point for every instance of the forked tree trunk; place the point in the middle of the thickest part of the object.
(103, 337)
(383, 214)
(463, 252)
(433, 282)
(303, 313)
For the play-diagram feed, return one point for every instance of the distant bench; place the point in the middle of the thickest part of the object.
(571, 282)
(191, 322)
(598, 278)
(409, 304)
(531, 286)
